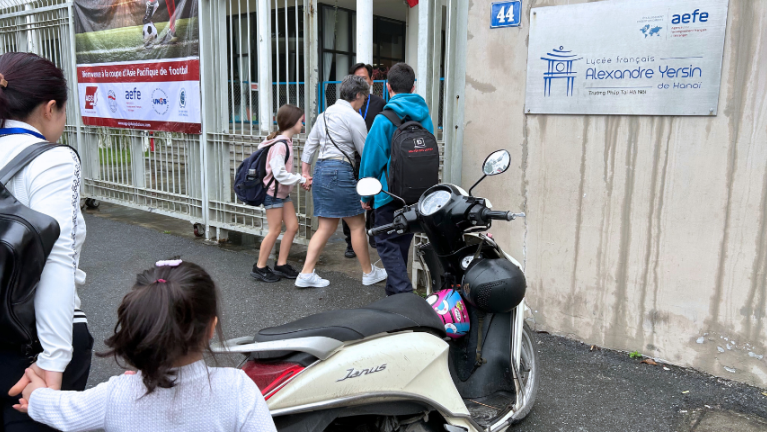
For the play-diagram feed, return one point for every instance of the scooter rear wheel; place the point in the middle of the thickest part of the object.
(528, 371)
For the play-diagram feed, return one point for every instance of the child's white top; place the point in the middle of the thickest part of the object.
(203, 399)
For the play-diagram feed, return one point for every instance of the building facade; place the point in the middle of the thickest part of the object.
(643, 233)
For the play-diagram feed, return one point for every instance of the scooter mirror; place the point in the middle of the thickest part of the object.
(497, 163)
(369, 186)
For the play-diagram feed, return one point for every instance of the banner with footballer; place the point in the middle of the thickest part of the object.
(138, 64)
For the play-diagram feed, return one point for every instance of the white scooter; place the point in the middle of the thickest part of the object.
(388, 366)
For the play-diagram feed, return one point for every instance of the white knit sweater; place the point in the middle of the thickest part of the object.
(203, 399)
(50, 184)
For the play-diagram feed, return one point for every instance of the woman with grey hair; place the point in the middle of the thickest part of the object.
(338, 134)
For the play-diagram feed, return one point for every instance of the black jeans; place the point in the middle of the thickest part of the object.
(393, 250)
(12, 365)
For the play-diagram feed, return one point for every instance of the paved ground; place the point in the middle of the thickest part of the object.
(581, 389)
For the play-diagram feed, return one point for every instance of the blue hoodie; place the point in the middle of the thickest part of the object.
(377, 154)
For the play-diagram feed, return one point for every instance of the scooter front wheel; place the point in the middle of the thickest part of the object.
(528, 371)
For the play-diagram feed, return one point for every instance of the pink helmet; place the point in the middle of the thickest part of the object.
(452, 311)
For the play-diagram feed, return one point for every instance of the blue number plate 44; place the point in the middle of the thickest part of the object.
(506, 14)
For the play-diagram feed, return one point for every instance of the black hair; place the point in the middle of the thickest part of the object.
(401, 78)
(31, 81)
(359, 66)
(166, 316)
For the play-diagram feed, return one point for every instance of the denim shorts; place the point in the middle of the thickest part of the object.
(334, 190)
(271, 202)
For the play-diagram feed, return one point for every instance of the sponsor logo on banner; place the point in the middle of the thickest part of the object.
(91, 97)
(160, 101)
(182, 98)
(112, 101)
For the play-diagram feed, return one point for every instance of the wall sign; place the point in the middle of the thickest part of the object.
(506, 14)
(654, 57)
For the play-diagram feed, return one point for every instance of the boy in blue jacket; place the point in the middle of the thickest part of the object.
(376, 158)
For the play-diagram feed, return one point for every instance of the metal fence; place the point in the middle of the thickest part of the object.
(190, 176)
(233, 132)
(243, 97)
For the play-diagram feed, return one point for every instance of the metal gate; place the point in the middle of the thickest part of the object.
(255, 55)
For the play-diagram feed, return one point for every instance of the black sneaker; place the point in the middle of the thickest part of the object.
(286, 271)
(264, 274)
(350, 252)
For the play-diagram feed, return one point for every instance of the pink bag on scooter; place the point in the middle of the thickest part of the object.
(451, 309)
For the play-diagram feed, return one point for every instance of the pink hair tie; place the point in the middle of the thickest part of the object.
(168, 263)
(161, 281)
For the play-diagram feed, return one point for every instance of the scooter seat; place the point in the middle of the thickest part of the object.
(391, 314)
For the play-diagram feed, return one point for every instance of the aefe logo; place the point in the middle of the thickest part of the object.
(91, 98)
(687, 18)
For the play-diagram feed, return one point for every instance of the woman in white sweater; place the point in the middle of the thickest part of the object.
(33, 96)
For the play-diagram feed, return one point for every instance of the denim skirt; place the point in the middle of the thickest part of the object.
(334, 190)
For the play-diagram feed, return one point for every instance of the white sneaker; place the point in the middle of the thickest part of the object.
(311, 280)
(376, 275)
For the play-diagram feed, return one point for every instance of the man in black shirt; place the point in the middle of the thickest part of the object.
(372, 107)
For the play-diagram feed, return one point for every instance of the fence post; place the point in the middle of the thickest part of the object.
(425, 49)
(264, 67)
(87, 166)
(206, 61)
(311, 63)
(435, 61)
(455, 83)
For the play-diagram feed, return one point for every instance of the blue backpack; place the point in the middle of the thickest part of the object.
(249, 179)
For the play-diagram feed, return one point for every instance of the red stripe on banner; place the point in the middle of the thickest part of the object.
(190, 128)
(183, 70)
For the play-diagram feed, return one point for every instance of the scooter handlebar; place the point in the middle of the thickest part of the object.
(383, 229)
(502, 215)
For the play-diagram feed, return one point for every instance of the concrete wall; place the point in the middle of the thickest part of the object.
(642, 233)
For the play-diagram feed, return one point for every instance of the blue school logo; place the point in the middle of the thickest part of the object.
(560, 67)
(182, 98)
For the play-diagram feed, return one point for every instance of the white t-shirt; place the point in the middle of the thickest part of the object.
(203, 399)
(50, 184)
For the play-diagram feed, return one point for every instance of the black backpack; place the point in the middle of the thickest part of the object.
(414, 159)
(249, 179)
(26, 240)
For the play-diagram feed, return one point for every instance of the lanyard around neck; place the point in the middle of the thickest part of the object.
(17, 131)
(365, 116)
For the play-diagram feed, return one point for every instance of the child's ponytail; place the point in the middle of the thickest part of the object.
(166, 316)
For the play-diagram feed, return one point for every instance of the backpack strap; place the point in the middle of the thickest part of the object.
(26, 157)
(393, 117)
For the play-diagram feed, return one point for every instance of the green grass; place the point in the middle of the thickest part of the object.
(635, 355)
(116, 157)
(127, 44)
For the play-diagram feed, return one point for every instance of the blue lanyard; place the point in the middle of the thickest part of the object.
(366, 109)
(16, 131)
